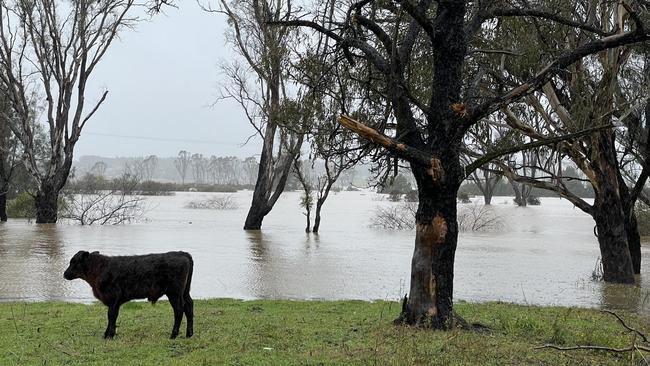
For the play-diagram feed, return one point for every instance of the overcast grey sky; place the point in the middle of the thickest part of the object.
(162, 79)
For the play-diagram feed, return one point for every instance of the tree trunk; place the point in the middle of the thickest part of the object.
(273, 171)
(46, 203)
(308, 215)
(633, 240)
(487, 197)
(319, 206)
(519, 199)
(255, 215)
(631, 224)
(614, 251)
(608, 212)
(429, 302)
(3, 206)
(263, 188)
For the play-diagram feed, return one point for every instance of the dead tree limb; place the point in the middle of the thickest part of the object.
(401, 149)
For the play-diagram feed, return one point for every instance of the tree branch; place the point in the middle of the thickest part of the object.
(412, 155)
(552, 69)
(531, 145)
(536, 13)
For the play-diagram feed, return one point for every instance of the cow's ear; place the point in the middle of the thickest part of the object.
(84, 255)
(95, 252)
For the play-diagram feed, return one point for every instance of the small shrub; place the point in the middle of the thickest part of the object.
(533, 201)
(22, 207)
(153, 188)
(215, 203)
(399, 217)
(395, 196)
(463, 197)
(411, 196)
(478, 218)
(399, 183)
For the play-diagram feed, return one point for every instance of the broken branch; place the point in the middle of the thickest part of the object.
(406, 152)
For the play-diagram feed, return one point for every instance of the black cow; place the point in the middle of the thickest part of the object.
(116, 280)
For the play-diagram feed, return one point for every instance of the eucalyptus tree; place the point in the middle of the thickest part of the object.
(8, 155)
(326, 80)
(182, 164)
(434, 109)
(199, 166)
(49, 50)
(480, 140)
(589, 93)
(260, 84)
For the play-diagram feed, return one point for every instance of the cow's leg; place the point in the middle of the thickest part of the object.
(113, 312)
(176, 301)
(189, 314)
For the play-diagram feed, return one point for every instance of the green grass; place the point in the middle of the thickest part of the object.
(305, 333)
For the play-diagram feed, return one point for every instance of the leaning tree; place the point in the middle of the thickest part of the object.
(48, 51)
(594, 91)
(421, 49)
(261, 86)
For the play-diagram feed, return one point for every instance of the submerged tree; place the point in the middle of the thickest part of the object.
(48, 52)
(260, 85)
(8, 155)
(591, 92)
(419, 51)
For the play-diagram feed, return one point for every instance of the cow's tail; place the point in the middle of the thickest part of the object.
(189, 275)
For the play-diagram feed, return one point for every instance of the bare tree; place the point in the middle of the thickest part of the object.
(419, 51)
(48, 52)
(99, 169)
(307, 197)
(249, 170)
(90, 205)
(149, 166)
(182, 163)
(199, 166)
(260, 85)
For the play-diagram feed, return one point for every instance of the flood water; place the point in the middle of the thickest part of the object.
(542, 255)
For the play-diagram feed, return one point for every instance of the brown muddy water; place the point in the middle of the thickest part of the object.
(541, 255)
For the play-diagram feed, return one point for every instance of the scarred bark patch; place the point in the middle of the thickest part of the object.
(459, 109)
(435, 169)
(435, 232)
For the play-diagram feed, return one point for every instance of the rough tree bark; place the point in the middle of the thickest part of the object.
(631, 225)
(608, 213)
(3, 204)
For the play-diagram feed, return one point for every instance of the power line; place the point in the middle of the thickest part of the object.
(163, 139)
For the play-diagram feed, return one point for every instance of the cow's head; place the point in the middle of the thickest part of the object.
(78, 266)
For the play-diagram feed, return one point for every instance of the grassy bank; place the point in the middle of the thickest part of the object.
(300, 332)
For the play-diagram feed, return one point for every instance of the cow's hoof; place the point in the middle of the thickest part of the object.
(189, 334)
(109, 336)
(173, 336)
